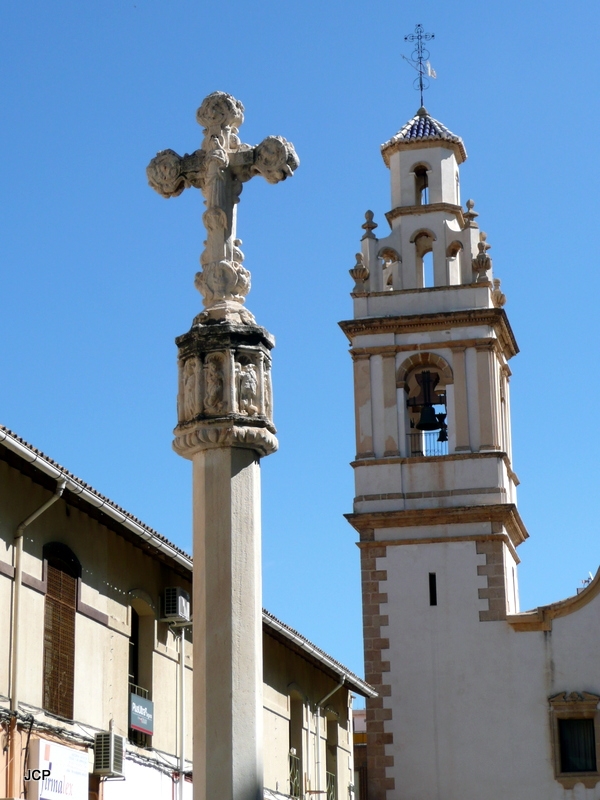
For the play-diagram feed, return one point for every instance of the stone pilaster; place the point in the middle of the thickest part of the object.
(488, 418)
(461, 418)
(390, 409)
(363, 409)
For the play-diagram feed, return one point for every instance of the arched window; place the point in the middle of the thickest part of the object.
(63, 571)
(421, 186)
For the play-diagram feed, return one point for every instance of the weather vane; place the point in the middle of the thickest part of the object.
(419, 59)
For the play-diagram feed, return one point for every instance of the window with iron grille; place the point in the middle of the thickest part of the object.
(59, 633)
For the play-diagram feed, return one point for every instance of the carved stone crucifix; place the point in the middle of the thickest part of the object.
(218, 169)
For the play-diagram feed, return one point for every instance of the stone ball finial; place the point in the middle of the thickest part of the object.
(220, 110)
(369, 226)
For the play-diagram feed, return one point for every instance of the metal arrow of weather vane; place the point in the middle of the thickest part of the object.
(419, 59)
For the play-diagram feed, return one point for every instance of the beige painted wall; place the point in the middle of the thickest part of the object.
(112, 567)
(286, 673)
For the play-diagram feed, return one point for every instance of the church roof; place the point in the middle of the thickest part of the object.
(423, 128)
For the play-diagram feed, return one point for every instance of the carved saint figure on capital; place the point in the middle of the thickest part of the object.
(213, 399)
(190, 389)
(247, 386)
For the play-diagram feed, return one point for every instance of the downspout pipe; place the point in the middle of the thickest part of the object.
(17, 586)
(319, 705)
(13, 776)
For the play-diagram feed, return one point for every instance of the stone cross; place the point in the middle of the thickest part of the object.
(219, 169)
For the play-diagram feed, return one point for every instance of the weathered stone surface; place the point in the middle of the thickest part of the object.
(225, 392)
(219, 169)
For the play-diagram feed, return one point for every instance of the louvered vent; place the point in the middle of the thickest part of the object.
(176, 604)
(109, 749)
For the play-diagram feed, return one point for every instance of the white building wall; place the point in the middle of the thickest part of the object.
(470, 697)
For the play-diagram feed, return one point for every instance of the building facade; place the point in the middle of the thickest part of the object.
(93, 605)
(476, 698)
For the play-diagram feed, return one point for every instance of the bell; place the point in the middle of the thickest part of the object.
(443, 437)
(428, 420)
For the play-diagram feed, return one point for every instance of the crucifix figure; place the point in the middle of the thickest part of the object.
(219, 169)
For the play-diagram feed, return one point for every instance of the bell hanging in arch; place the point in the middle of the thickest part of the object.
(443, 437)
(428, 420)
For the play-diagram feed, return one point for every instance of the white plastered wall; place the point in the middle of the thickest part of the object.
(470, 697)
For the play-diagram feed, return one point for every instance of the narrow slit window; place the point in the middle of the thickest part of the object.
(432, 589)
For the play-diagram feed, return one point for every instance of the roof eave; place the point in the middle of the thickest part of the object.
(396, 144)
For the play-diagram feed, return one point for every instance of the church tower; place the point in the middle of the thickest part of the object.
(435, 502)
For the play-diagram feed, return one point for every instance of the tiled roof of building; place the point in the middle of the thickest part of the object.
(38, 460)
(74, 485)
(307, 647)
(422, 127)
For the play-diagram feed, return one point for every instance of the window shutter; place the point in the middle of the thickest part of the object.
(59, 642)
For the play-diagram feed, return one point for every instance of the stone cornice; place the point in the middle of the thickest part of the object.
(455, 287)
(417, 323)
(430, 208)
(394, 145)
(368, 462)
(540, 618)
(504, 514)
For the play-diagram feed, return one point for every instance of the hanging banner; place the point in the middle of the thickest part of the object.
(55, 772)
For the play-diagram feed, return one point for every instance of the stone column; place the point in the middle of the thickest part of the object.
(461, 414)
(224, 432)
(227, 625)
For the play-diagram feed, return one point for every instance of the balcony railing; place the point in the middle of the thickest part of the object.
(141, 692)
(331, 792)
(425, 443)
(294, 775)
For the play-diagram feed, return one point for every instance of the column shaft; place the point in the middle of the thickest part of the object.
(228, 672)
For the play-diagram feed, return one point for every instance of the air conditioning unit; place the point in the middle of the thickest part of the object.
(176, 604)
(109, 751)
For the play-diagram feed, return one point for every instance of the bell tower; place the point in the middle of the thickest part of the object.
(435, 490)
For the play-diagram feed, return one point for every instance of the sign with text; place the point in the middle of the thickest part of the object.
(141, 714)
(57, 772)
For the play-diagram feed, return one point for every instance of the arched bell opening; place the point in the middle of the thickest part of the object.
(454, 256)
(423, 241)
(390, 265)
(426, 424)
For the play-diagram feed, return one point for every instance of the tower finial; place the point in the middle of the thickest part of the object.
(419, 55)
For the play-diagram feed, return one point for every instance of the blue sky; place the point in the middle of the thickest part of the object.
(97, 270)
